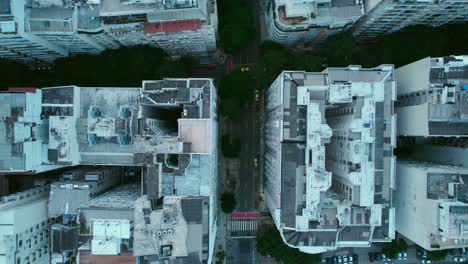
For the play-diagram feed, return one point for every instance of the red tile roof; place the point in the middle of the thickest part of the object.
(172, 26)
(22, 89)
(124, 258)
(245, 215)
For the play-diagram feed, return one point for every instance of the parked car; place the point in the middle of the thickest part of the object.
(405, 256)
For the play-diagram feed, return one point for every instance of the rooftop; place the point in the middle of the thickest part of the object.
(332, 132)
(334, 13)
(180, 226)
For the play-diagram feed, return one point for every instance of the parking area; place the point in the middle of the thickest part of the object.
(343, 259)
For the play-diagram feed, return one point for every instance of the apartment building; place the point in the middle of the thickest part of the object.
(431, 204)
(179, 27)
(387, 16)
(328, 162)
(18, 44)
(66, 196)
(108, 222)
(23, 133)
(40, 31)
(75, 26)
(24, 232)
(168, 127)
(306, 23)
(432, 97)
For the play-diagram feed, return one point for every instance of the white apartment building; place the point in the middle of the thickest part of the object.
(23, 133)
(16, 43)
(35, 31)
(24, 227)
(108, 222)
(179, 27)
(306, 23)
(75, 27)
(66, 196)
(387, 16)
(167, 126)
(432, 96)
(431, 204)
(328, 162)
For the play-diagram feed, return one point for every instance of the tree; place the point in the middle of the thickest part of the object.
(235, 89)
(308, 61)
(270, 243)
(220, 255)
(273, 59)
(230, 147)
(228, 202)
(235, 37)
(402, 245)
(340, 49)
(121, 67)
(437, 255)
(14, 74)
(396, 246)
(236, 25)
(180, 68)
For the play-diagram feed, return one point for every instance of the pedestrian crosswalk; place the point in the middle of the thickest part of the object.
(242, 225)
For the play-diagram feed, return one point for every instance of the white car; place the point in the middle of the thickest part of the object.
(400, 256)
(405, 256)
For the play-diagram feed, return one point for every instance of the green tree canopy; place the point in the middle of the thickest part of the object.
(121, 67)
(273, 59)
(230, 147)
(308, 61)
(236, 25)
(396, 246)
(437, 255)
(220, 255)
(228, 202)
(14, 74)
(270, 243)
(235, 89)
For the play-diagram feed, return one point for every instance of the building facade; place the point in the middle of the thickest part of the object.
(328, 159)
(432, 96)
(74, 26)
(16, 43)
(178, 27)
(306, 23)
(66, 196)
(24, 233)
(387, 16)
(431, 204)
(38, 31)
